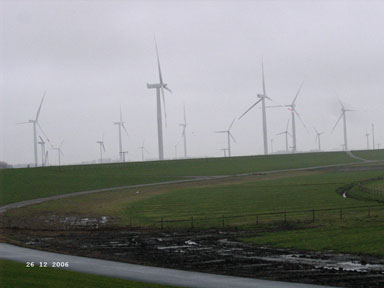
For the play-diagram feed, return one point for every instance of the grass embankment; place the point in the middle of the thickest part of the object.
(29, 183)
(10, 277)
(370, 154)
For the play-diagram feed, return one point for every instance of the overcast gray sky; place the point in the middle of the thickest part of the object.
(93, 56)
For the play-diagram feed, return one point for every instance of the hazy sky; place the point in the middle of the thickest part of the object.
(93, 56)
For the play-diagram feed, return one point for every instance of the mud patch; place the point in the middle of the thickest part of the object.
(212, 251)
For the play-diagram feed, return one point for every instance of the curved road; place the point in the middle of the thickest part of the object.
(138, 272)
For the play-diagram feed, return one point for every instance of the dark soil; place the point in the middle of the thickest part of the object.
(211, 251)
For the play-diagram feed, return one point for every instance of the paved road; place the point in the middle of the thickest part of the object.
(139, 272)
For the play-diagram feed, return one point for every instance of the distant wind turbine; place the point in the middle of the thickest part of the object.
(102, 147)
(142, 148)
(36, 123)
(229, 136)
(264, 114)
(160, 90)
(286, 132)
(373, 137)
(121, 125)
(184, 134)
(343, 115)
(318, 137)
(59, 152)
(42, 143)
(123, 153)
(367, 135)
(225, 151)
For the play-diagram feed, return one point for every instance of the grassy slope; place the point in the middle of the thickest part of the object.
(29, 183)
(346, 237)
(370, 154)
(55, 278)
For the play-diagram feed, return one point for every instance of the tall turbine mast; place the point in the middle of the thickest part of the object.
(35, 123)
(160, 91)
(59, 152)
(121, 125)
(367, 135)
(229, 136)
(184, 134)
(373, 136)
(262, 98)
(318, 137)
(102, 147)
(42, 143)
(343, 115)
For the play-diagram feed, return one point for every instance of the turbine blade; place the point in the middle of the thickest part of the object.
(125, 130)
(19, 123)
(297, 94)
(262, 70)
(221, 131)
(185, 117)
(41, 129)
(102, 144)
(333, 129)
(250, 108)
(41, 139)
(230, 126)
(158, 65)
(275, 106)
(301, 120)
(286, 129)
(233, 138)
(38, 111)
(166, 88)
(281, 133)
(61, 144)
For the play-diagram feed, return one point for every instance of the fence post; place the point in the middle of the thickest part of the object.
(222, 221)
(192, 222)
(161, 223)
(341, 214)
(313, 215)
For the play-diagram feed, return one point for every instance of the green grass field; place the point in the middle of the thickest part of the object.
(370, 154)
(29, 183)
(10, 277)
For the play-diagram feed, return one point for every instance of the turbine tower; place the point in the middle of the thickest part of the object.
(102, 147)
(43, 154)
(59, 152)
(318, 138)
(286, 137)
(36, 123)
(343, 115)
(373, 136)
(229, 136)
(264, 114)
(160, 91)
(367, 135)
(121, 125)
(225, 151)
(142, 148)
(184, 125)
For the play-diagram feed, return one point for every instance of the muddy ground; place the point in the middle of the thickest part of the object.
(211, 251)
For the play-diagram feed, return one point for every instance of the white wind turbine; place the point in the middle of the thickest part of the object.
(142, 148)
(36, 123)
(286, 132)
(59, 152)
(264, 114)
(102, 147)
(160, 91)
(43, 153)
(225, 151)
(121, 125)
(343, 115)
(229, 136)
(318, 134)
(367, 135)
(184, 125)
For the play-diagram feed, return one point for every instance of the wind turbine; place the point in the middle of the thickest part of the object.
(142, 148)
(367, 135)
(36, 123)
(318, 137)
(225, 151)
(373, 136)
(123, 153)
(184, 125)
(229, 135)
(102, 147)
(121, 124)
(264, 114)
(59, 153)
(292, 108)
(343, 115)
(160, 91)
(286, 132)
(43, 154)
